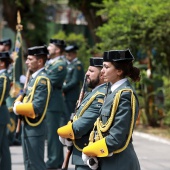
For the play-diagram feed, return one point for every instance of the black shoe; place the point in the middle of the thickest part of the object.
(16, 142)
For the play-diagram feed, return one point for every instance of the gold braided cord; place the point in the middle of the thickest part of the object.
(4, 89)
(105, 127)
(76, 146)
(131, 125)
(82, 112)
(87, 105)
(31, 98)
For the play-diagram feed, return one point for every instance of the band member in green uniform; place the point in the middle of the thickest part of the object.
(111, 138)
(5, 157)
(56, 70)
(33, 109)
(5, 45)
(86, 113)
(73, 81)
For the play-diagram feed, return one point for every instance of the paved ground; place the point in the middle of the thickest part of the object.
(17, 158)
(153, 153)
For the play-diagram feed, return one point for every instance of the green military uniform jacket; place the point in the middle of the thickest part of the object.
(4, 87)
(39, 102)
(73, 81)
(117, 134)
(5, 157)
(56, 72)
(33, 133)
(84, 124)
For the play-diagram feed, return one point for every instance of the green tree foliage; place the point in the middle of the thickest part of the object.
(139, 24)
(144, 27)
(89, 11)
(33, 19)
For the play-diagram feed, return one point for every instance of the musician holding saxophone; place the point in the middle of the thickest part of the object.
(33, 109)
(86, 114)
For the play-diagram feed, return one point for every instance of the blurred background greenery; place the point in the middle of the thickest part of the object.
(96, 26)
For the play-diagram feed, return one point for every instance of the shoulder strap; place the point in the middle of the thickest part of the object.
(31, 98)
(4, 89)
(87, 105)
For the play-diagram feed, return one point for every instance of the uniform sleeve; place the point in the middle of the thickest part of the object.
(40, 96)
(4, 88)
(119, 131)
(57, 75)
(86, 122)
(77, 77)
(1, 85)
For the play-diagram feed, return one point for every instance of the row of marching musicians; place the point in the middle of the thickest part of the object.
(100, 133)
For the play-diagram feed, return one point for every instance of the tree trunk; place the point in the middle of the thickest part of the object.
(10, 14)
(93, 22)
(150, 107)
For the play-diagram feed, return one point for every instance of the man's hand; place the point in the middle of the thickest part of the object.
(92, 162)
(85, 158)
(15, 104)
(65, 141)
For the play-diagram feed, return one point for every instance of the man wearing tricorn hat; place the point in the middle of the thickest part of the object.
(86, 114)
(5, 158)
(73, 81)
(5, 45)
(33, 109)
(111, 139)
(56, 70)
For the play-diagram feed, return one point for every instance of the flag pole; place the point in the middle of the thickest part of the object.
(15, 89)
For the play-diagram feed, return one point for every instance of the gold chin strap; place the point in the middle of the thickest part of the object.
(4, 89)
(31, 95)
(101, 128)
(82, 112)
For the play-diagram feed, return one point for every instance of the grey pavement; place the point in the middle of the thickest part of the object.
(153, 153)
(17, 158)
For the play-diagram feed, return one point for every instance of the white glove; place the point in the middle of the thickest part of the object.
(68, 142)
(22, 79)
(15, 104)
(62, 140)
(65, 141)
(92, 163)
(110, 154)
(85, 158)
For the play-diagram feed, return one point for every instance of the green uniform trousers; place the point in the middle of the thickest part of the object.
(55, 160)
(34, 158)
(5, 157)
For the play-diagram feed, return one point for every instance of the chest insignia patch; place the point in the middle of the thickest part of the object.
(78, 68)
(60, 68)
(43, 82)
(100, 100)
